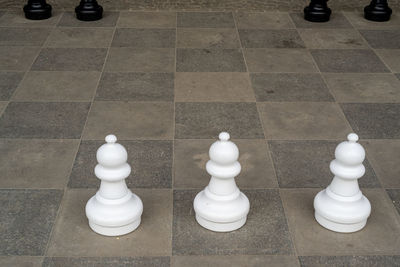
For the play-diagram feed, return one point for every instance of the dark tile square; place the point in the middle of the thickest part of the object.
(332, 38)
(17, 58)
(8, 83)
(136, 86)
(148, 19)
(348, 60)
(21, 261)
(151, 163)
(207, 120)
(80, 37)
(389, 39)
(398, 75)
(289, 87)
(373, 120)
(263, 20)
(254, 38)
(26, 219)
(16, 18)
(394, 195)
(144, 38)
(305, 164)
(337, 20)
(264, 233)
(69, 19)
(209, 60)
(43, 120)
(365, 261)
(207, 38)
(205, 20)
(23, 36)
(106, 261)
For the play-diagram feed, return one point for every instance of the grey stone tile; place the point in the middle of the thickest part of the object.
(394, 195)
(49, 120)
(144, 38)
(57, 86)
(72, 236)
(207, 120)
(303, 121)
(358, 21)
(141, 60)
(264, 20)
(332, 38)
(388, 39)
(391, 57)
(8, 83)
(80, 37)
(373, 120)
(151, 163)
(312, 239)
(301, 164)
(27, 217)
(145, 120)
(148, 19)
(397, 75)
(3, 105)
(191, 156)
(69, 20)
(107, 261)
(363, 88)
(136, 86)
(264, 233)
(70, 59)
(21, 261)
(289, 87)
(17, 19)
(279, 60)
(213, 87)
(209, 60)
(336, 21)
(366, 261)
(36, 163)
(23, 36)
(207, 38)
(348, 60)
(17, 58)
(205, 20)
(256, 38)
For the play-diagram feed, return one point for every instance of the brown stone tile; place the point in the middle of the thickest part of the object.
(3, 105)
(394, 195)
(391, 57)
(359, 22)
(17, 58)
(148, 19)
(205, 20)
(264, 20)
(106, 261)
(80, 37)
(144, 38)
(8, 83)
(109, 19)
(336, 21)
(331, 261)
(235, 261)
(207, 38)
(21, 261)
(257, 38)
(23, 36)
(17, 19)
(332, 38)
(383, 39)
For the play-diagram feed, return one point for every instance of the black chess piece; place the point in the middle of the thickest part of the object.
(89, 10)
(37, 10)
(378, 10)
(317, 11)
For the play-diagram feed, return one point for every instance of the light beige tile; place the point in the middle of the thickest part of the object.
(149, 19)
(80, 37)
(332, 38)
(391, 57)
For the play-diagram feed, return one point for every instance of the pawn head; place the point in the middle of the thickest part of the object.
(350, 152)
(111, 154)
(223, 151)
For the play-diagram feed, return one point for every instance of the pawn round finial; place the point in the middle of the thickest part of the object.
(352, 137)
(223, 151)
(111, 139)
(111, 154)
(350, 152)
(224, 136)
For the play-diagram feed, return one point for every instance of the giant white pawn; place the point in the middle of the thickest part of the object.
(221, 207)
(342, 207)
(114, 210)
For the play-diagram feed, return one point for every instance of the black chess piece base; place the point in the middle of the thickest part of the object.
(377, 10)
(317, 11)
(37, 10)
(89, 10)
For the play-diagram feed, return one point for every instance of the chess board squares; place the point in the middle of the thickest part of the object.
(23, 36)
(148, 19)
(263, 20)
(68, 19)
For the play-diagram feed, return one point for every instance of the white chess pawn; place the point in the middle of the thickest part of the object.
(342, 207)
(221, 207)
(114, 210)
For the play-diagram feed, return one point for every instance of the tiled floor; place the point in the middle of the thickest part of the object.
(166, 84)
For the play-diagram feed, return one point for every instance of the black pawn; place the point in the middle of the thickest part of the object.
(317, 11)
(37, 10)
(378, 10)
(89, 10)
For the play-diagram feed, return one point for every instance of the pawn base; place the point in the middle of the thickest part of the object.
(89, 12)
(114, 231)
(37, 11)
(377, 13)
(220, 227)
(340, 227)
(317, 13)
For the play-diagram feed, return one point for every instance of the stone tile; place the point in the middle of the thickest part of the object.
(205, 20)
(301, 164)
(394, 195)
(391, 57)
(374, 121)
(207, 120)
(349, 260)
(207, 38)
(21, 261)
(312, 239)
(359, 22)
(145, 120)
(151, 163)
(264, 20)
(80, 37)
(191, 156)
(289, 87)
(363, 88)
(57, 86)
(136, 86)
(332, 38)
(397, 75)
(348, 60)
(23, 36)
(256, 38)
(384, 156)
(235, 261)
(336, 21)
(144, 38)
(213, 87)
(8, 83)
(70, 59)
(209, 60)
(69, 20)
(141, 60)
(279, 60)
(389, 39)
(107, 261)
(265, 231)
(17, 19)
(302, 120)
(27, 217)
(148, 19)
(49, 120)
(17, 58)
(36, 163)
(73, 237)
(3, 105)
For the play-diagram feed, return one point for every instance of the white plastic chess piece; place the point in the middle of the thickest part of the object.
(221, 207)
(341, 207)
(114, 210)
